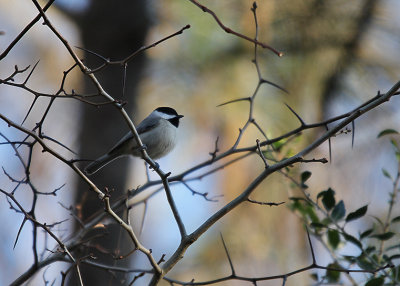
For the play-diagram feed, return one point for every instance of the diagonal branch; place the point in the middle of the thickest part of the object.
(125, 61)
(230, 31)
(191, 238)
(24, 31)
(228, 256)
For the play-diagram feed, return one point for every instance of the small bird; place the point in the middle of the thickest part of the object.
(157, 132)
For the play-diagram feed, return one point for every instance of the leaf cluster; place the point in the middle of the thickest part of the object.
(376, 246)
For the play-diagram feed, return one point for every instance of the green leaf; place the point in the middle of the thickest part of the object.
(386, 174)
(357, 214)
(352, 239)
(314, 276)
(387, 132)
(393, 257)
(304, 177)
(278, 145)
(298, 199)
(328, 198)
(349, 258)
(376, 259)
(384, 236)
(297, 204)
(370, 249)
(375, 281)
(378, 220)
(339, 211)
(366, 233)
(317, 224)
(396, 219)
(395, 273)
(304, 208)
(363, 263)
(326, 221)
(331, 275)
(310, 212)
(393, 247)
(290, 153)
(333, 238)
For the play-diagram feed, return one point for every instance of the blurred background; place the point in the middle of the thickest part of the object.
(337, 54)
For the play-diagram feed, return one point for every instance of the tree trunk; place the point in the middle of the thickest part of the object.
(112, 29)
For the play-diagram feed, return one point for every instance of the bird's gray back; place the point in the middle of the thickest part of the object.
(146, 125)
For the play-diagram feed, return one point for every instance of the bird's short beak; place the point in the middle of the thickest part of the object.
(180, 116)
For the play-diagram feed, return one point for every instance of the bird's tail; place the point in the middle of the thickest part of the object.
(99, 163)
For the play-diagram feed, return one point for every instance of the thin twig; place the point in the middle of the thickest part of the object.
(230, 31)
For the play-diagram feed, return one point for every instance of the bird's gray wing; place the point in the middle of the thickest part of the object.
(146, 125)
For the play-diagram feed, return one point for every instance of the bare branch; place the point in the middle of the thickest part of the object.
(261, 154)
(264, 203)
(36, 138)
(228, 256)
(24, 31)
(125, 61)
(298, 116)
(230, 31)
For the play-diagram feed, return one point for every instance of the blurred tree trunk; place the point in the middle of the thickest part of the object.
(349, 53)
(113, 29)
(322, 40)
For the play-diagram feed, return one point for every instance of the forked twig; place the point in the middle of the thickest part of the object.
(230, 31)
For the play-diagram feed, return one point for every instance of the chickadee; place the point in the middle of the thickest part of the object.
(157, 132)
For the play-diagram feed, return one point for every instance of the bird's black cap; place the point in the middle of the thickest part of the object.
(167, 110)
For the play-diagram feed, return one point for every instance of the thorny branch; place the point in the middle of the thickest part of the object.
(35, 138)
(125, 61)
(230, 31)
(283, 277)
